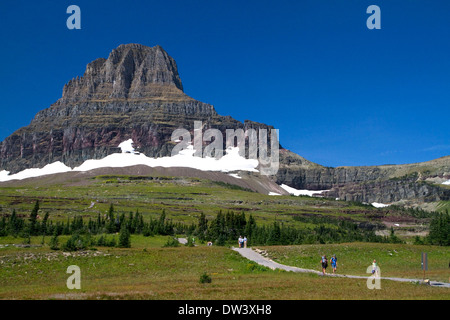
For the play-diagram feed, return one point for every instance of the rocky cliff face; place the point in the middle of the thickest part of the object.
(384, 184)
(131, 71)
(137, 93)
(390, 191)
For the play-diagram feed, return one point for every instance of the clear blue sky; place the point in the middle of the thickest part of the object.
(339, 93)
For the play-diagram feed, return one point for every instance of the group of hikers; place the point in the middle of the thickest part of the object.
(242, 242)
(333, 261)
(324, 262)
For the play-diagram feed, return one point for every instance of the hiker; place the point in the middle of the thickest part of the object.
(374, 268)
(324, 262)
(245, 241)
(334, 263)
(240, 241)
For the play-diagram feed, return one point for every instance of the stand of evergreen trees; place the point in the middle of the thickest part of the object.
(84, 233)
(222, 230)
(439, 230)
(226, 229)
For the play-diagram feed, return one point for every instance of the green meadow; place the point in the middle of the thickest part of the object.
(149, 271)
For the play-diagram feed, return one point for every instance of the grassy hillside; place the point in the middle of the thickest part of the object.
(185, 198)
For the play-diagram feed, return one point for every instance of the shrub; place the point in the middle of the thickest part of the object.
(418, 241)
(205, 278)
(103, 241)
(190, 242)
(112, 242)
(54, 243)
(26, 238)
(252, 266)
(75, 243)
(171, 242)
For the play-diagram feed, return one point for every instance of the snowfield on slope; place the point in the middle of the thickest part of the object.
(297, 192)
(230, 162)
(379, 205)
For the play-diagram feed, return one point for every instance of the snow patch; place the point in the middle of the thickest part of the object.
(55, 167)
(230, 162)
(235, 175)
(297, 192)
(379, 205)
(127, 146)
(274, 194)
(446, 182)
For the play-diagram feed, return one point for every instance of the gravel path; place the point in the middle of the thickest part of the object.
(256, 257)
(252, 255)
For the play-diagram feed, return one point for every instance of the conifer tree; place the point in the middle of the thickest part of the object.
(161, 226)
(44, 224)
(3, 230)
(33, 219)
(124, 237)
(202, 227)
(15, 224)
(111, 226)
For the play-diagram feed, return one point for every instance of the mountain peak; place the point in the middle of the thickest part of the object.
(131, 71)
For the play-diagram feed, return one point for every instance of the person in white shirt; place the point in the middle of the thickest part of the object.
(375, 268)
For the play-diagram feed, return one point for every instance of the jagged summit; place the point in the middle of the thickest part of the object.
(132, 71)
